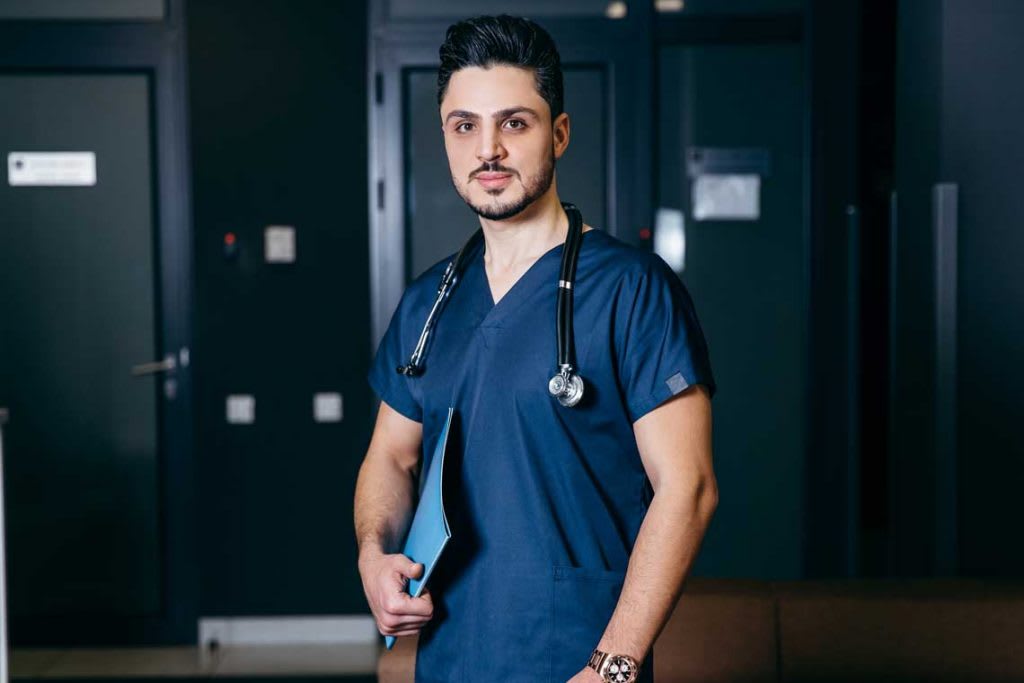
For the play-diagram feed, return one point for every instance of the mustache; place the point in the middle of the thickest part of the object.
(492, 168)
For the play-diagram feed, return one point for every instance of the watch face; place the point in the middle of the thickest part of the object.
(620, 670)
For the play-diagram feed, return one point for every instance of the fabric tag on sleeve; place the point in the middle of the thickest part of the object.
(676, 383)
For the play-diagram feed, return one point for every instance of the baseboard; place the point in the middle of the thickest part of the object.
(354, 629)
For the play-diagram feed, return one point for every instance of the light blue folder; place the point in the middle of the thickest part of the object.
(429, 532)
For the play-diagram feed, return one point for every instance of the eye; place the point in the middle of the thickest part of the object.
(520, 122)
(458, 128)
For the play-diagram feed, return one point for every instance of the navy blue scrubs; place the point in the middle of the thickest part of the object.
(544, 501)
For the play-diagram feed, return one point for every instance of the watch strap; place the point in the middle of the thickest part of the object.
(597, 660)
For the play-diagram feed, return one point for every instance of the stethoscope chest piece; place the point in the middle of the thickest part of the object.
(566, 386)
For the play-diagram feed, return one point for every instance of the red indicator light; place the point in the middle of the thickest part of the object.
(229, 238)
(645, 233)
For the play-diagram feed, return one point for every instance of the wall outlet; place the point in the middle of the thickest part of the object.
(241, 409)
(327, 407)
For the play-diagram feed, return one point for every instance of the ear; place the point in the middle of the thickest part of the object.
(560, 134)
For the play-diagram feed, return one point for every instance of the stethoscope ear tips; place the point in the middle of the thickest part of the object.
(567, 387)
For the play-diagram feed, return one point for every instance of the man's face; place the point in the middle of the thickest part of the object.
(500, 140)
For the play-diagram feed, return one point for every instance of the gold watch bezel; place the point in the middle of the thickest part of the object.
(600, 662)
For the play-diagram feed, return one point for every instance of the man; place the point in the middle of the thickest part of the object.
(573, 528)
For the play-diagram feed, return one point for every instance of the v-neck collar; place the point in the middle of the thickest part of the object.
(521, 282)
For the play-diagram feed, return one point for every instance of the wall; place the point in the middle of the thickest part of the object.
(278, 119)
(959, 107)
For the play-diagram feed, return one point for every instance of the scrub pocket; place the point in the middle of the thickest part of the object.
(583, 602)
(506, 639)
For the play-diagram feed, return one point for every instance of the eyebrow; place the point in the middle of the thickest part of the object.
(463, 114)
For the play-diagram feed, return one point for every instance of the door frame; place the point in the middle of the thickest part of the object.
(624, 48)
(157, 50)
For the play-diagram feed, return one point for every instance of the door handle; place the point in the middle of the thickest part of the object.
(945, 229)
(165, 365)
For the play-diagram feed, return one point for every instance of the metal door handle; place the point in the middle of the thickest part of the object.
(945, 215)
(168, 363)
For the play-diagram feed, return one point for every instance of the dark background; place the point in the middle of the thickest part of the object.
(909, 464)
(278, 115)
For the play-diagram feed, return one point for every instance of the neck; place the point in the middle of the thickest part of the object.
(528, 235)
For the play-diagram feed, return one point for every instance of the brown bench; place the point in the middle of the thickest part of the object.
(877, 630)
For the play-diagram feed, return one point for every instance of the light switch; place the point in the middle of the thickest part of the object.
(327, 407)
(279, 244)
(241, 409)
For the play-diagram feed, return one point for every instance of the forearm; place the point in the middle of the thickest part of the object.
(666, 546)
(383, 504)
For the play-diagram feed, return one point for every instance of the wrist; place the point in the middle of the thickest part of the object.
(370, 552)
(618, 647)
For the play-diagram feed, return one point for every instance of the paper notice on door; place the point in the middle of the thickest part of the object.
(727, 196)
(51, 169)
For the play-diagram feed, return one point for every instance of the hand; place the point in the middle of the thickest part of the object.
(385, 578)
(587, 675)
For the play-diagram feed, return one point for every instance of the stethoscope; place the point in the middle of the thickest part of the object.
(566, 385)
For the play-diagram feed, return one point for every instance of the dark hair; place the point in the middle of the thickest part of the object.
(515, 41)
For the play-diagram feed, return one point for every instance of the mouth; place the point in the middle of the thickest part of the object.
(493, 180)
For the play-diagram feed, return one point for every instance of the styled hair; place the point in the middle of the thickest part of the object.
(486, 41)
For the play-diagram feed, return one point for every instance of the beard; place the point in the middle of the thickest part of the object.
(534, 188)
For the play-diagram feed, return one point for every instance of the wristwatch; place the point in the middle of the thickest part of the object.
(614, 668)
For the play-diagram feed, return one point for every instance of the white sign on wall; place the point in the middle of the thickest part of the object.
(727, 196)
(51, 169)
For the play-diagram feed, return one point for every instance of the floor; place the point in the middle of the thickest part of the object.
(355, 662)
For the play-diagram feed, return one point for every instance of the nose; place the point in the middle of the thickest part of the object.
(490, 149)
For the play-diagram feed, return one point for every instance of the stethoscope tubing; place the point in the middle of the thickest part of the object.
(448, 281)
(566, 281)
(571, 388)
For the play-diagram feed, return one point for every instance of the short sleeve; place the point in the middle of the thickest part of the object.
(661, 350)
(393, 388)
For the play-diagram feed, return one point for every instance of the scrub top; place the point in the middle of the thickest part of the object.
(544, 502)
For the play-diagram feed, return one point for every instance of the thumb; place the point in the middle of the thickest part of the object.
(414, 570)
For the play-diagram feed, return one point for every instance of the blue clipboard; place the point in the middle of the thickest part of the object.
(429, 532)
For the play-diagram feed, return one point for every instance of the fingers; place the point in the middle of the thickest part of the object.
(400, 628)
(393, 624)
(401, 603)
(398, 613)
(392, 621)
(407, 632)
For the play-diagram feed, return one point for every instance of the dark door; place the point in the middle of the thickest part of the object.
(86, 370)
(730, 113)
